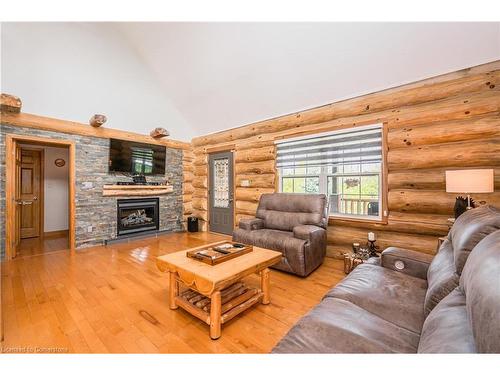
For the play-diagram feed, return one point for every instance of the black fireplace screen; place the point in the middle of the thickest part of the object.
(137, 215)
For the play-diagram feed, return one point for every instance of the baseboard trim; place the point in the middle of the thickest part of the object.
(57, 233)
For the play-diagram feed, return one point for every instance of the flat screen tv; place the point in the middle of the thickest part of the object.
(136, 158)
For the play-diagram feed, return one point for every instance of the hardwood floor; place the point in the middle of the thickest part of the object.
(114, 299)
(42, 245)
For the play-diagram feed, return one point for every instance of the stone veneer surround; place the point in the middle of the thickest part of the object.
(92, 209)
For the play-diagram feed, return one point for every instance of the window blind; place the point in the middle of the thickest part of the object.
(351, 147)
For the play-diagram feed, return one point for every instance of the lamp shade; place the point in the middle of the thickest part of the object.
(470, 181)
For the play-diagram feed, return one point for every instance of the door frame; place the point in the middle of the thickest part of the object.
(41, 197)
(12, 142)
(217, 150)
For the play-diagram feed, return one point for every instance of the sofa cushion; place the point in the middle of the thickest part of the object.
(470, 228)
(391, 295)
(339, 326)
(441, 277)
(480, 282)
(447, 328)
(285, 211)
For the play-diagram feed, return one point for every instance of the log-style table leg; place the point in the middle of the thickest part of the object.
(215, 315)
(173, 290)
(264, 286)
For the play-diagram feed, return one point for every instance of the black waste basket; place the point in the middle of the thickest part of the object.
(192, 224)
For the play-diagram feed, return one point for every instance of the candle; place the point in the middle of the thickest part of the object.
(371, 236)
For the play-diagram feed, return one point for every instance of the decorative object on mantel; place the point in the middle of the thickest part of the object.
(60, 162)
(159, 133)
(10, 103)
(468, 181)
(97, 120)
(135, 190)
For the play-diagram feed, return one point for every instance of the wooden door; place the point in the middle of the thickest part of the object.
(28, 193)
(221, 192)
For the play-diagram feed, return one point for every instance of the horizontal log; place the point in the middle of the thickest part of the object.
(200, 214)
(443, 132)
(188, 188)
(457, 108)
(187, 208)
(453, 155)
(200, 204)
(432, 202)
(243, 145)
(200, 182)
(72, 127)
(200, 193)
(200, 159)
(251, 194)
(257, 180)
(419, 92)
(187, 167)
(345, 236)
(425, 179)
(187, 198)
(188, 177)
(432, 225)
(244, 207)
(255, 154)
(201, 170)
(261, 167)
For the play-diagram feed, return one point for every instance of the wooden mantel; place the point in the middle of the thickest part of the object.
(135, 190)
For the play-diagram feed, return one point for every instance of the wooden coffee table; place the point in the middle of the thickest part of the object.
(216, 294)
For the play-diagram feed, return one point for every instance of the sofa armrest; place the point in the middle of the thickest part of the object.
(251, 224)
(410, 262)
(307, 232)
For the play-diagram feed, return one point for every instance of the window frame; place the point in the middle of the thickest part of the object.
(323, 180)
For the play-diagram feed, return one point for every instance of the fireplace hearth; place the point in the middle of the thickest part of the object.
(137, 215)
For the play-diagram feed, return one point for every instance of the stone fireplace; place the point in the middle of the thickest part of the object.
(137, 215)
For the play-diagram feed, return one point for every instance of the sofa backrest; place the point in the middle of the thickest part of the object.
(444, 271)
(284, 211)
(467, 320)
(470, 228)
(480, 282)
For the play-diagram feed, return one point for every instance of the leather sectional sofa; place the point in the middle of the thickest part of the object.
(294, 224)
(412, 302)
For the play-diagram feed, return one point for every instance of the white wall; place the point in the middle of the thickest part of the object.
(56, 210)
(74, 70)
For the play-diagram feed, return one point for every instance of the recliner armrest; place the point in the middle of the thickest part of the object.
(306, 232)
(251, 224)
(409, 262)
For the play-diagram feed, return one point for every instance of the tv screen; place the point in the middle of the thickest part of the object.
(136, 158)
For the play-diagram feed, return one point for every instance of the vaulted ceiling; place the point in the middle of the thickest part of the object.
(215, 76)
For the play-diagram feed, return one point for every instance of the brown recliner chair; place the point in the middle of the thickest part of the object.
(294, 224)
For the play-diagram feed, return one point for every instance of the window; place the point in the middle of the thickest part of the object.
(344, 165)
(142, 160)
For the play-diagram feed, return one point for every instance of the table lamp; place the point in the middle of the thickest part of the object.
(469, 181)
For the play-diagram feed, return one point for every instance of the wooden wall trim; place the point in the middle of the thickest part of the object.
(72, 127)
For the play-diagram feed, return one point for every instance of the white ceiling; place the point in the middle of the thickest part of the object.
(215, 76)
(223, 75)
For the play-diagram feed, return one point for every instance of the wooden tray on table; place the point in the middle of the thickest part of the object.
(221, 252)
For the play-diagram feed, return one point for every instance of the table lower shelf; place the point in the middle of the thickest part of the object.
(234, 300)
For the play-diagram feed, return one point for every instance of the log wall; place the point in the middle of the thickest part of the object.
(447, 122)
